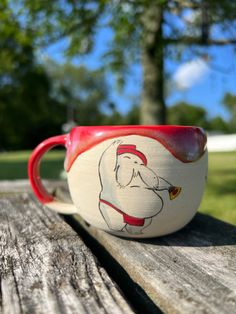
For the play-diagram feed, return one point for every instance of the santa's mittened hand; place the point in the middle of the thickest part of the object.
(113, 147)
(117, 142)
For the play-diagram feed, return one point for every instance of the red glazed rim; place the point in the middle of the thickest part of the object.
(186, 143)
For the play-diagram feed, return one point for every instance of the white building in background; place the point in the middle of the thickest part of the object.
(221, 143)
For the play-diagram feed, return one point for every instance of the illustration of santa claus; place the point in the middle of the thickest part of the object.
(131, 193)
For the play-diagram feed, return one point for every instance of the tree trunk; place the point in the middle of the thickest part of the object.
(153, 109)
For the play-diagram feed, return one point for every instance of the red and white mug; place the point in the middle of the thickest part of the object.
(132, 181)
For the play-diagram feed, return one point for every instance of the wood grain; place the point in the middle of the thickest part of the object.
(191, 271)
(22, 186)
(45, 267)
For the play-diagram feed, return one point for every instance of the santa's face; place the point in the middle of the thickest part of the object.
(130, 166)
(128, 160)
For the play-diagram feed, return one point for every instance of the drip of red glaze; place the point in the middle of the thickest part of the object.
(186, 143)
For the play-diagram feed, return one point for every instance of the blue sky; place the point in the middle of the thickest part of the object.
(210, 89)
(206, 92)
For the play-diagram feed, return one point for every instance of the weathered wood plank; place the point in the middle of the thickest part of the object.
(45, 267)
(191, 271)
(21, 186)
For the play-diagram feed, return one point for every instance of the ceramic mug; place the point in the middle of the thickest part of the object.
(132, 181)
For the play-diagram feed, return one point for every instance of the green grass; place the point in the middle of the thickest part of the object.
(220, 195)
(219, 198)
(13, 165)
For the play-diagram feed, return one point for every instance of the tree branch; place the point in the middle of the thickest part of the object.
(185, 4)
(198, 41)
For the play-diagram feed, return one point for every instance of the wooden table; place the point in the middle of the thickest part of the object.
(58, 264)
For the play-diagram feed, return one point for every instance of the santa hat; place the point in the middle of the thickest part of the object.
(131, 149)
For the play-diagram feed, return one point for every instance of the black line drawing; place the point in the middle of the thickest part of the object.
(126, 180)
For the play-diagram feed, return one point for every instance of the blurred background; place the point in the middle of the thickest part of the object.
(65, 63)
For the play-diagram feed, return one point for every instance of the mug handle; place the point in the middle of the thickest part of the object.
(35, 180)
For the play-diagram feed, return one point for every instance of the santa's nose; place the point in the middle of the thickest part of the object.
(148, 177)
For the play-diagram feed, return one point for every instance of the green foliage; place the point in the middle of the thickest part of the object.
(79, 21)
(36, 99)
(84, 93)
(186, 114)
(76, 20)
(133, 116)
(135, 28)
(116, 118)
(219, 124)
(229, 100)
(27, 112)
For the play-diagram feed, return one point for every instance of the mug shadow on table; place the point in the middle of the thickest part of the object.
(202, 231)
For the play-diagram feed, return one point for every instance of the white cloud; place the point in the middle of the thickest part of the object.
(189, 73)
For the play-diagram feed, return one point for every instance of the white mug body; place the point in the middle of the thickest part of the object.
(133, 186)
(132, 181)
